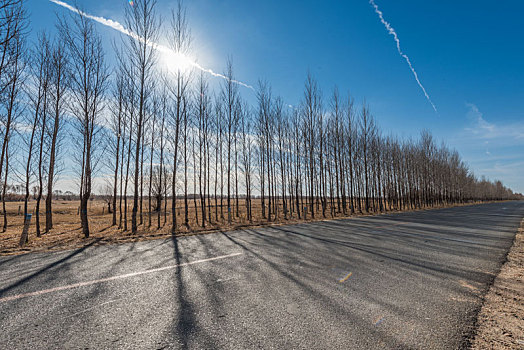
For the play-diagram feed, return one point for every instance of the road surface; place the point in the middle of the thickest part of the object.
(399, 281)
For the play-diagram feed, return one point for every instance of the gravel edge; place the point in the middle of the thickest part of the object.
(500, 322)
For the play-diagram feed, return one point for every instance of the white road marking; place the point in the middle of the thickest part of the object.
(127, 275)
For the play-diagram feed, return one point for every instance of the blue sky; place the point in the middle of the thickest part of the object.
(469, 56)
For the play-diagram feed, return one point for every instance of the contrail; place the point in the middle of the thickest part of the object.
(392, 32)
(161, 48)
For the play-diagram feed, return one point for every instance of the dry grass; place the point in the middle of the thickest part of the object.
(501, 319)
(67, 233)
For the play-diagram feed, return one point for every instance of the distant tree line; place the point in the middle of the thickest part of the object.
(161, 137)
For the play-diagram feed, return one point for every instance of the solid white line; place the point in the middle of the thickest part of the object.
(127, 275)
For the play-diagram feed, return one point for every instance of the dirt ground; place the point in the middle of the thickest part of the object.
(501, 319)
(67, 233)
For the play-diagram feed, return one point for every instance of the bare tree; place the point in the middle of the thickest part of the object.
(142, 20)
(311, 110)
(281, 130)
(180, 42)
(264, 129)
(117, 126)
(247, 154)
(367, 130)
(155, 112)
(12, 40)
(185, 143)
(229, 94)
(217, 131)
(57, 88)
(203, 106)
(41, 70)
(45, 81)
(129, 103)
(89, 77)
(13, 23)
(161, 192)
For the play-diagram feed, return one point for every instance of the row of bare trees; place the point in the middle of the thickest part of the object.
(44, 85)
(305, 162)
(334, 160)
(13, 28)
(163, 136)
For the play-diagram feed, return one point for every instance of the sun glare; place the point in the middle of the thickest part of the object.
(176, 62)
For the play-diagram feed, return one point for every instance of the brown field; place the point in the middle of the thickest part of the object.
(67, 233)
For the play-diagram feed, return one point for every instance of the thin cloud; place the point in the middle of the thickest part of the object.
(492, 148)
(481, 125)
(509, 133)
(161, 48)
(395, 37)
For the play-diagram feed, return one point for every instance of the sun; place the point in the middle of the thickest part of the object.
(177, 62)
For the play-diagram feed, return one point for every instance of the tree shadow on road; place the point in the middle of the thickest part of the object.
(186, 323)
(47, 267)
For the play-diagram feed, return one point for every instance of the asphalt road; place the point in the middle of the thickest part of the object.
(400, 281)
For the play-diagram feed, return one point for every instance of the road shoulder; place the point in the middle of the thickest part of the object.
(501, 319)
